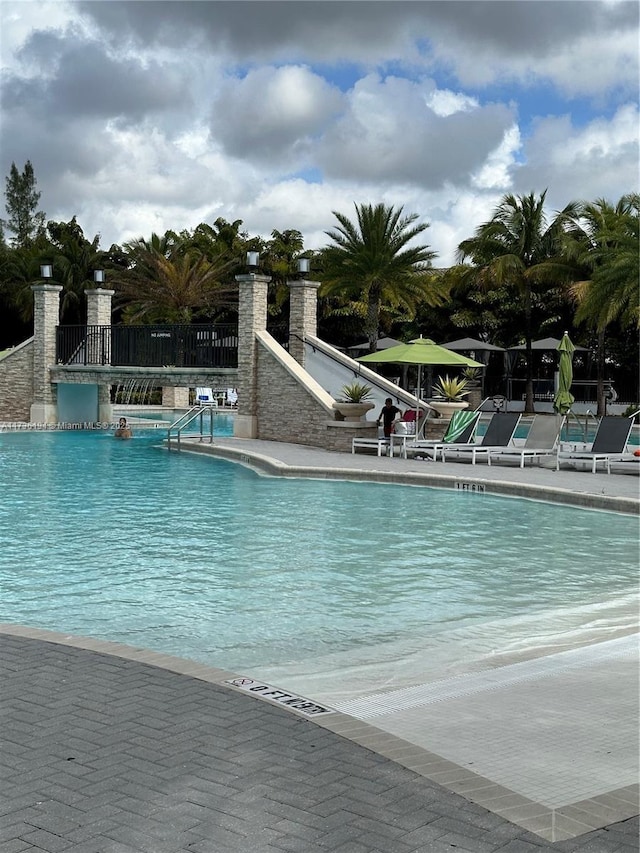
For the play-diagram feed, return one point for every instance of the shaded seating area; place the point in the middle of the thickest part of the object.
(609, 444)
(500, 432)
(404, 429)
(542, 440)
(461, 429)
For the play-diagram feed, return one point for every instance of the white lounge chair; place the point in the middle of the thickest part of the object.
(609, 442)
(542, 440)
(204, 397)
(232, 397)
(461, 430)
(500, 432)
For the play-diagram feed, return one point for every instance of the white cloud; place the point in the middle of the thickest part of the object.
(141, 116)
(598, 160)
(444, 102)
(388, 133)
(272, 112)
(496, 173)
(595, 64)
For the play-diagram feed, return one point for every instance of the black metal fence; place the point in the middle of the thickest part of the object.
(148, 346)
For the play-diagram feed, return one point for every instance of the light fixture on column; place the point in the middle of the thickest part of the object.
(303, 265)
(46, 271)
(252, 259)
(98, 278)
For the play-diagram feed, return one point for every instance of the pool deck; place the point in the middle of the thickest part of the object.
(110, 749)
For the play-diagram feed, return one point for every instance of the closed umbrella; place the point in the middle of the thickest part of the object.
(563, 400)
(421, 351)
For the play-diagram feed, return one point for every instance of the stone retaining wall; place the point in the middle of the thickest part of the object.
(292, 408)
(16, 383)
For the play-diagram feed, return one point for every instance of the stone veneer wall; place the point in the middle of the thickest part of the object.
(16, 383)
(292, 407)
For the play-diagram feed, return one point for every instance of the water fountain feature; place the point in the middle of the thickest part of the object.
(138, 392)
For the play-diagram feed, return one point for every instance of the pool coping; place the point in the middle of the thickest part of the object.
(567, 822)
(269, 464)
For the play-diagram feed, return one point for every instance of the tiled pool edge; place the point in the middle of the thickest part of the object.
(273, 467)
(552, 825)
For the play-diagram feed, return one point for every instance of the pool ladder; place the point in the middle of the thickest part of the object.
(174, 433)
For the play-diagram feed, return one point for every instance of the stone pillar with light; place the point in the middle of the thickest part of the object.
(303, 311)
(252, 318)
(98, 339)
(46, 317)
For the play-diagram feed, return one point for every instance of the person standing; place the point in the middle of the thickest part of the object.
(388, 415)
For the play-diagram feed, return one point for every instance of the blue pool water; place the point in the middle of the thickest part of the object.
(206, 559)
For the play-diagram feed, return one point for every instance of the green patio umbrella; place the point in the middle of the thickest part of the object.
(563, 400)
(420, 351)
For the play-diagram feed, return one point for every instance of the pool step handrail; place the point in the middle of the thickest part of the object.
(187, 418)
(584, 428)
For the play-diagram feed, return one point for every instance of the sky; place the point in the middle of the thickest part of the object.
(144, 116)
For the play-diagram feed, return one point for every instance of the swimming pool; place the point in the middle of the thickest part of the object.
(205, 559)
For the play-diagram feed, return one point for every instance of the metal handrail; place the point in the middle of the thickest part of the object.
(186, 419)
(584, 428)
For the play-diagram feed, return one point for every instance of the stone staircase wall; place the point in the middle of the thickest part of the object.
(16, 383)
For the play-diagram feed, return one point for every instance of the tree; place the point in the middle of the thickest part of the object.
(604, 242)
(520, 249)
(372, 262)
(605, 239)
(168, 284)
(22, 203)
(74, 261)
(278, 260)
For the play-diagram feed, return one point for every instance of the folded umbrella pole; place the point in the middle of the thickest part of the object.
(564, 399)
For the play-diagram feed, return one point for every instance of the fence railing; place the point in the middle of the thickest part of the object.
(584, 390)
(148, 346)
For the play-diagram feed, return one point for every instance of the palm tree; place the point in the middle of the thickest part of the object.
(520, 249)
(20, 269)
(372, 262)
(74, 260)
(603, 241)
(167, 284)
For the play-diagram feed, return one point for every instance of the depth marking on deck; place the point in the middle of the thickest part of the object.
(290, 700)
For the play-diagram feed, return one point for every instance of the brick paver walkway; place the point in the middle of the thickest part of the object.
(105, 755)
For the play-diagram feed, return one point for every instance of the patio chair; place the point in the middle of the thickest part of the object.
(609, 441)
(542, 440)
(461, 430)
(204, 397)
(404, 430)
(500, 432)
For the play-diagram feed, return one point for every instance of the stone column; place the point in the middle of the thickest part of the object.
(175, 398)
(98, 306)
(252, 318)
(98, 343)
(303, 315)
(46, 317)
